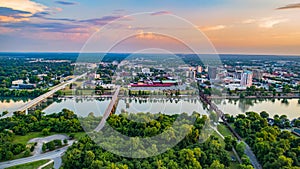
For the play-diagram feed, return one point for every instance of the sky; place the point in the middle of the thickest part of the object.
(220, 26)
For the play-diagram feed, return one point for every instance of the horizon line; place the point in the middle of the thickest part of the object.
(76, 52)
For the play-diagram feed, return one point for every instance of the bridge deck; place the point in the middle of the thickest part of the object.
(44, 96)
(108, 110)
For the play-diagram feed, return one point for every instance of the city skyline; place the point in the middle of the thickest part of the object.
(248, 27)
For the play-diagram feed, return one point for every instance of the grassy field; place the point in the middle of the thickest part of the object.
(224, 130)
(31, 165)
(27, 137)
(31, 135)
(69, 92)
(79, 135)
(49, 166)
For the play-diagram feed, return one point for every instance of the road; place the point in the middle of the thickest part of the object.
(41, 140)
(44, 96)
(108, 110)
(55, 155)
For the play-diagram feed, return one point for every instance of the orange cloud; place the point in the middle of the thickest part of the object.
(11, 19)
(213, 28)
(24, 5)
(147, 35)
(271, 22)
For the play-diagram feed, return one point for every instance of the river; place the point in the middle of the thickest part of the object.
(83, 107)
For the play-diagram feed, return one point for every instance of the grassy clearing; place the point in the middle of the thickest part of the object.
(31, 165)
(234, 165)
(224, 130)
(50, 166)
(79, 135)
(27, 137)
(69, 92)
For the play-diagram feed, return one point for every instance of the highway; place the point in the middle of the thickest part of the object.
(108, 110)
(44, 96)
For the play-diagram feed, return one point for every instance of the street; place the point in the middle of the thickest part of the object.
(55, 155)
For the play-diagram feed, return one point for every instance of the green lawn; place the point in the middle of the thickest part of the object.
(50, 166)
(27, 137)
(224, 130)
(69, 92)
(234, 165)
(31, 135)
(79, 135)
(31, 165)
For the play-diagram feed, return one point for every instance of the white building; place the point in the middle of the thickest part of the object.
(17, 82)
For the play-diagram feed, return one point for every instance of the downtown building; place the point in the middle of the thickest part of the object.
(246, 78)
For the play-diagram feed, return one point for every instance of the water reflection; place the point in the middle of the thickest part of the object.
(289, 107)
(11, 104)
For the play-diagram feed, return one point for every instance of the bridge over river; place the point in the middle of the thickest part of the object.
(110, 108)
(39, 99)
(220, 113)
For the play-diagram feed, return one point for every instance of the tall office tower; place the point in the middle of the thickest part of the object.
(246, 79)
(199, 69)
(212, 72)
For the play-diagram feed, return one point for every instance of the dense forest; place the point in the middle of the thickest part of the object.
(190, 152)
(273, 147)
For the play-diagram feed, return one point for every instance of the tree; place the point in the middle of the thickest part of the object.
(216, 165)
(97, 164)
(44, 147)
(9, 155)
(240, 148)
(46, 131)
(72, 136)
(32, 148)
(264, 114)
(229, 143)
(51, 145)
(243, 166)
(27, 153)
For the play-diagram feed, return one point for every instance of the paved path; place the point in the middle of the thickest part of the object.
(50, 155)
(41, 140)
(44, 165)
(252, 157)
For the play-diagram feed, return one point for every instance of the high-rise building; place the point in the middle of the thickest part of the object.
(246, 79)
(257, 74)
(199, 69)
(212, 72)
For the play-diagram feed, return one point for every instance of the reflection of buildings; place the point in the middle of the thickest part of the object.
(212, 72)
(246, 79)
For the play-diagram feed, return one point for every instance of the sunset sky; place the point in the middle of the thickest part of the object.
(233, 26)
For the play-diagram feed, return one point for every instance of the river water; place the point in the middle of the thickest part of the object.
(83, 107)
(11, 105)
